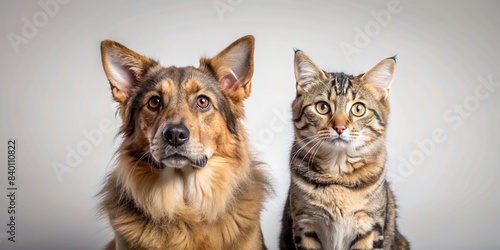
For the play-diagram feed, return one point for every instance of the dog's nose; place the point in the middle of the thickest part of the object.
(176, 134)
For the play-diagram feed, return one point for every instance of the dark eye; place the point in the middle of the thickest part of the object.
(322, 108)
(202, 102)
(358, 109)
(154, 103)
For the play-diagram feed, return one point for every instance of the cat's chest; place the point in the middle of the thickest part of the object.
(336, 234)
(340, 160)
(339, 202)
(338, 226)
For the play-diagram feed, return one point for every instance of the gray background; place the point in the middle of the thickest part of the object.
(54, 92)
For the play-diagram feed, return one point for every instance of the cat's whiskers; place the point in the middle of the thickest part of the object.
(368, 149)
(313, 140)
(314, 148)
(341, 199)
(296, 153)
(320, 136)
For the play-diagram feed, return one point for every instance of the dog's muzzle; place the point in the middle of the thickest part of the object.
(176, 137)
(176, 134)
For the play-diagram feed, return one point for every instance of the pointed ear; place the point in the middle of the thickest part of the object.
(233, 68)
(307, 73)
(379, 78)
(123, 67)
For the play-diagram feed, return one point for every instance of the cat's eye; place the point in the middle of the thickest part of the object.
(358, 109)
(322, 108)
(202, 102)
(154, 103)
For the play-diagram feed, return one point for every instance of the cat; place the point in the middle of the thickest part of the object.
(339, 197)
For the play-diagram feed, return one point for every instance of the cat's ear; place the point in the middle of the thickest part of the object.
(123, 68)
(306, 72)
(233, 68)
(379, 78)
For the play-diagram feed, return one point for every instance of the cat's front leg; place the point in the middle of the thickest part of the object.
(369, 233)
(305, 235)
(369, 241)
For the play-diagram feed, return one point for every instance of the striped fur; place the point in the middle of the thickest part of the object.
(339, 198)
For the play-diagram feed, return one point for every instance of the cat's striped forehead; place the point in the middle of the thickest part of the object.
(341, 83)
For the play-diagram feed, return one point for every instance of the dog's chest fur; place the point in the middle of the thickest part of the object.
(186, 227)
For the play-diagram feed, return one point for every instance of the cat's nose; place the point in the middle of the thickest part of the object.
(339, 129)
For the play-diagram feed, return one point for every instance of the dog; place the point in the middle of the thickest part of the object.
(184, 177)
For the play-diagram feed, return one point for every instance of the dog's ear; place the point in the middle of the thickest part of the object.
(123, 67)
(233, 68)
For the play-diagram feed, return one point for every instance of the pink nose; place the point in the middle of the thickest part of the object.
(339, 128)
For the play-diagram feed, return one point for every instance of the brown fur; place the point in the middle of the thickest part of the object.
(338, 197)
(211, 197)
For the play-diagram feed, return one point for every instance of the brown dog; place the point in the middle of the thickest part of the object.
(185, 177)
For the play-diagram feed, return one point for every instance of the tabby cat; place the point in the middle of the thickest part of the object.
(339, 197)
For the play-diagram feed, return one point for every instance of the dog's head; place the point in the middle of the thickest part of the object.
(179, 117)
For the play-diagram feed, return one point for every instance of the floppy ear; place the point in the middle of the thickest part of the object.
(123, 67)
(307, 73)
(233, 68)
(379, 78)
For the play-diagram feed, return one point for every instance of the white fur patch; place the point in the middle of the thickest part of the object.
(336, 235)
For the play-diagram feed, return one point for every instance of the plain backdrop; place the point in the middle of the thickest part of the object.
(443, 137)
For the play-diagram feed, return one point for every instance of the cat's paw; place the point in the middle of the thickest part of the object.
(305, 237)
(370, 241)
(309, 241)
(364, 223)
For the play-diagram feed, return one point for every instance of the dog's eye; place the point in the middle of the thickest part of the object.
(154, 102)
(202, 102)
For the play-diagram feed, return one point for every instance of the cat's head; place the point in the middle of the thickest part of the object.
(335, 111)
